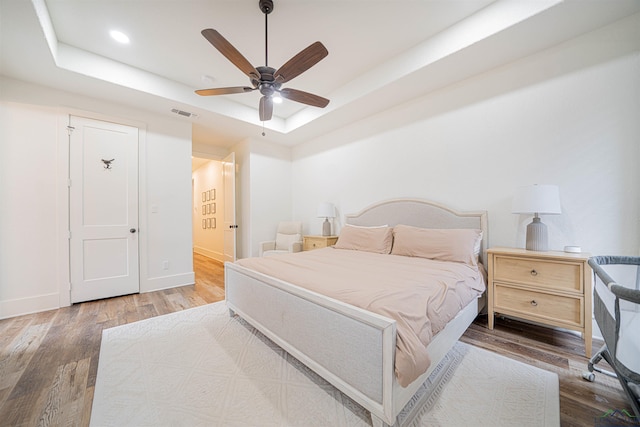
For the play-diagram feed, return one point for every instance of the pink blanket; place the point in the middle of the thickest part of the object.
(421, 295)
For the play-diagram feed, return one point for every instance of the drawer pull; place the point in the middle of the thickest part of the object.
(534, 303)
(534, 273)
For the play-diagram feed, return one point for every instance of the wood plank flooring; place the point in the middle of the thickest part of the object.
(49, 360)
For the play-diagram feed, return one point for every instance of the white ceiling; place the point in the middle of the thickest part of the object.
(381, 52)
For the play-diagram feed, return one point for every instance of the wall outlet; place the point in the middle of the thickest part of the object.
(165, 265)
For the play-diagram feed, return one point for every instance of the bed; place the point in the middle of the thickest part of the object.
(352, 348)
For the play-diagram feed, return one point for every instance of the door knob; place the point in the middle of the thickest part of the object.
(132, 230)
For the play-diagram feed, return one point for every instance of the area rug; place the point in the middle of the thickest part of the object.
(201, 367)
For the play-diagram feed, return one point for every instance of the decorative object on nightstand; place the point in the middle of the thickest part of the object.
(326, 210)
(551, 288)
(316, 242)
(536, 200)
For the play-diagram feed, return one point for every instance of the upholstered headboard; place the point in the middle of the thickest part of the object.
(421, 213)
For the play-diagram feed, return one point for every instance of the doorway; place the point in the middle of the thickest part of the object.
(213, 194)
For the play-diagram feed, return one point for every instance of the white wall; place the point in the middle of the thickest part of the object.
(208, 241)
(168, 188)
(567, 116)
(264, 189)
(34, 209)
(28, 209)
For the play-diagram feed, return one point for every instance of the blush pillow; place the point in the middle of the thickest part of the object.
(368, 239)
(457, 245)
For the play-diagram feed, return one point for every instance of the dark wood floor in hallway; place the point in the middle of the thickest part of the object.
(49, 360)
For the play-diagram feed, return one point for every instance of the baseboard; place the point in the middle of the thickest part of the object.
(209, 253)
(167, 282)
(22, 306)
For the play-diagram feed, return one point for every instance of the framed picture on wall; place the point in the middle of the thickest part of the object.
(204, 196)
(204, 209)
(213, 223)
(204, 223)
(213, 208)
(213, 194)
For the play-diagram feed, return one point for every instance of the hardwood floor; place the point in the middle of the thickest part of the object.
(49, 360)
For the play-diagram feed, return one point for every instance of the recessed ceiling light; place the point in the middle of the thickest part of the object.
(119, 36)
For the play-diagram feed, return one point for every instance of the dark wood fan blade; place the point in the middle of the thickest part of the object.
(266, 108)
(304, 97)
(224, 90)
(300, 63)
(231, 53)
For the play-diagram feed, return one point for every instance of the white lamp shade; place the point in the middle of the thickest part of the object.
(326, 210)
(539, 199)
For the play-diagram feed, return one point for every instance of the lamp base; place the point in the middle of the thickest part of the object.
(326, 227)
(537, 236)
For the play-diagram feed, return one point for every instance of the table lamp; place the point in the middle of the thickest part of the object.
(326, 210)
(536, 200)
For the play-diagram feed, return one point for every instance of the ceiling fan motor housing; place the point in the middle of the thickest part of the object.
(266, 6)
(267, 84)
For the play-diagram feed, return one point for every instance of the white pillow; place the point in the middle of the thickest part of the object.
(284, 241)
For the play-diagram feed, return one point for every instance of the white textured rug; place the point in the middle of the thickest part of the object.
(199, 367)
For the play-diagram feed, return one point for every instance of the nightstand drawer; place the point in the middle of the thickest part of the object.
(558, 309)
(540, 273)
(316, 242)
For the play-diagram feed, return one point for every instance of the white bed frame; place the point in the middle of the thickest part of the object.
(351, 348)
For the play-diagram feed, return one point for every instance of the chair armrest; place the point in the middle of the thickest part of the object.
(267, 246)
(296, 247)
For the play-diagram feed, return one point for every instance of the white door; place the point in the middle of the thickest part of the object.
(230, 226)
(103, 203)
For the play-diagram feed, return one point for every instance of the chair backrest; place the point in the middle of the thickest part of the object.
(290, 227)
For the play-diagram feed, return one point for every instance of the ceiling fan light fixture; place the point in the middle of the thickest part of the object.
(277, 99)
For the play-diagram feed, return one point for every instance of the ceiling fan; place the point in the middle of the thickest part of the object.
(266, 79)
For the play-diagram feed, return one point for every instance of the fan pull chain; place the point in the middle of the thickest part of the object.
(263, 134)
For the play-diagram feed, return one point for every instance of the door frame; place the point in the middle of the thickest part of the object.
(62, 196)
(220, 158)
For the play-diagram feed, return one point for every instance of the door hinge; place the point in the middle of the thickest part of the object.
(70, 130)
(69, 183)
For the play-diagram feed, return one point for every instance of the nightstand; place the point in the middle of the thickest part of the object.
(551, 288)
(316, 242)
